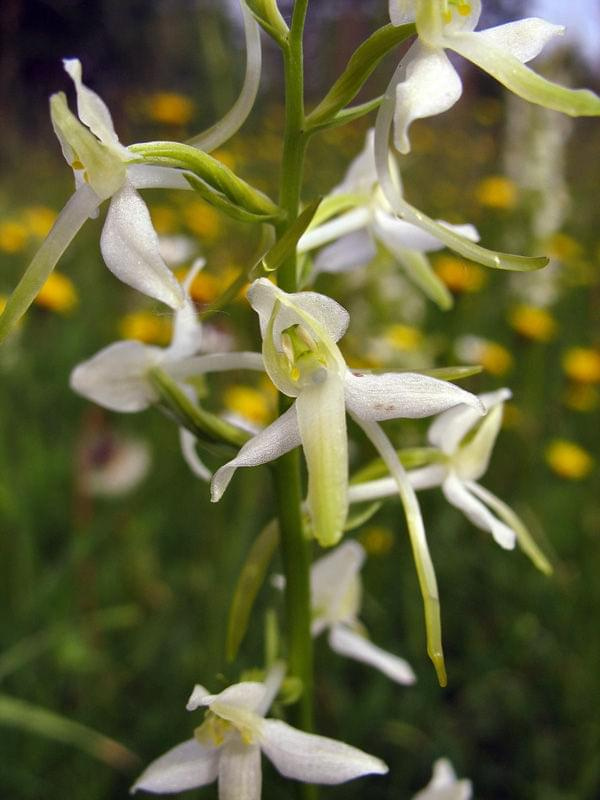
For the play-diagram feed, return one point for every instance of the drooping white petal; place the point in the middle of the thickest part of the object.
(186, 766)
(150, 176)
(233, 120)
(187, 442)
(349, 222)
(115, 377)
(335, 586)
(315, 759)
(431, 86)
(278, 438)
(93, 111)
(404, 394)
(395, 233)
(187, 329)
(131, 249)
(321, 417)
(444, 785)
(215, 362)
(523, 39)
(458, 495)
(240, 774)
(322, 314)
(449, 428)
(347, 254)
(402, 11)
(348, 643)
(422, 478)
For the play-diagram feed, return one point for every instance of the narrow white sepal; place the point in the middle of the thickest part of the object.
(456, 492)
(186, 766)
(352, 645)
(347, 254)
(188, 441)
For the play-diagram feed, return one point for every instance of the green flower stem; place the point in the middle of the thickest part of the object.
(288, 485)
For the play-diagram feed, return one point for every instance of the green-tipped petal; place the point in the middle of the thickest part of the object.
(510, 72)
(322, 423)
(472, 459)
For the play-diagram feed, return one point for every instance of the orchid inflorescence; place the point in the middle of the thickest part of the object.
(301, 330)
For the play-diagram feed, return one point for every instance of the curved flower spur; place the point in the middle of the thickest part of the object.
(302, 359)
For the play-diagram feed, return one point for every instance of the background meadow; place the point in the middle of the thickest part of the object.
(114, 599)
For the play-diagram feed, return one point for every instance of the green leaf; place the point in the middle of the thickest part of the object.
(249, 582)
(285, 246)
(218, 200)
(349, 114)
(215, 174)
(360, 66)
(16, 713)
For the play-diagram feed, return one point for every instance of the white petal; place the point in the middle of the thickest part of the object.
(315, 759)
(278, 438)
(199, 693)
(321, 313)
(188, 441)
(348, 643)
(186, 766)
(402, 11)
(187, 329)
(523, 39)
(149, 176)
(335, 585)
(443, 784)
(473, 458)
(247, 695)
(404, 394)
(347, 254)
(131, 249)
(458, 495)
(346, 223)
(215, 362)
(422, 478)
(321, 414)
(396, 233)
(449, 428)
(431, 86)
(240, 775)
(116, 376)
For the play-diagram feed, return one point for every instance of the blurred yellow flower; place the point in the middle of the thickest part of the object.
(13, 236)
(582, 397)
(496, 191)
(146, 327)
(403, 337)
(377, 540)
(225, 157)
(205, 288)
(249, 403)
(58, 294)
(38, 220)
(202, 219)
(2, 302)
(491, 356)
(169, 108)
(533, 323)
(582, 364)
(164, 219)
(568, 459)
(564, 247)
(460, 275)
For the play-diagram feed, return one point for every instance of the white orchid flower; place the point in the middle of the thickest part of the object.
(355, 233)
(302, 359)
(227, 747)
(429, 84)
(465, 443)
(444, 784)
(117, 377)
(336, 594)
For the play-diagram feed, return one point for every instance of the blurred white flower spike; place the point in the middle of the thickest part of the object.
(429, 84)
(444, 784)
(351, 238)
(227, 747)
(336, 594)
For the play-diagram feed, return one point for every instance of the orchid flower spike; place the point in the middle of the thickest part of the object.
(465, 443)
(351, 238)
(302, 359)
(336, 591)
(444, 784)
(227, 747)
(429, 84)
(117, 377)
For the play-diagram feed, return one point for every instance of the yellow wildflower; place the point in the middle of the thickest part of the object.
(38, 220)
(496, 191)
(403, 337)
(460, 275)
(225, 157)
(582, 397)
(146, 327)
(496, 359)
(205, 288)
(249, 403)
(164, 219)
(58, 294)
(564, 247)
(582, 364)
(13, 236)
(202, 219)
(170, 108)
(533, 323)
(377, 540)
(568, 459)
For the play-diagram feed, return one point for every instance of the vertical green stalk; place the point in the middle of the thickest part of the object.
(288, 485)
